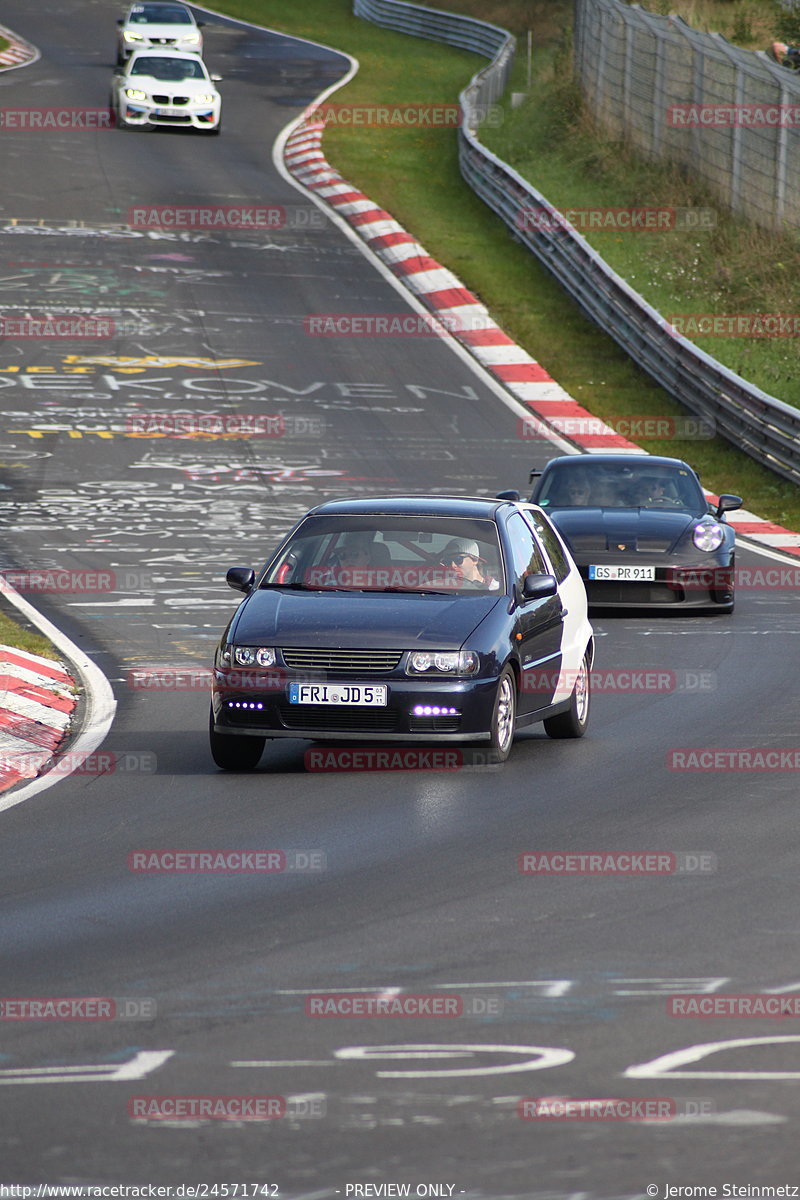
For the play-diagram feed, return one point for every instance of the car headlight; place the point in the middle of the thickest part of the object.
(135, 94)
(209, 99)
(442, 662)
(191, 37)
(708, 536)
(133, 37)
(249, 656)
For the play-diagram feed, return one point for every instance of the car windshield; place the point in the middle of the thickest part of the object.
(159, 14)
(168, 70)
(638, 485)
(391, 554)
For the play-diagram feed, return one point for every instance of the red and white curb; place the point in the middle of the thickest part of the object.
(469, 322)
(37, 697)
(19, 53)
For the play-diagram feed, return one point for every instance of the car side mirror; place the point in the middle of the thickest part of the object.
(511, 494)
(120, 20)
(201, 24)
(538, 587)
(118, 71)
(728, 503)
(215, 78)
(241, 579)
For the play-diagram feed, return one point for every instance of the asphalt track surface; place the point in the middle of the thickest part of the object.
(421, 890)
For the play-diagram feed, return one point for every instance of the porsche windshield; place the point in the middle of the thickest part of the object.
(391, 554)
(168, 70)
(596, 485)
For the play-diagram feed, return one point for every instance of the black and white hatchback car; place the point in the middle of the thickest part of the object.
(405, 619)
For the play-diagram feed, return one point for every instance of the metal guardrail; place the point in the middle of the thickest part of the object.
(760, 424)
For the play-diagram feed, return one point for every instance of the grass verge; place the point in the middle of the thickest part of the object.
(414, 174)
(23, 637)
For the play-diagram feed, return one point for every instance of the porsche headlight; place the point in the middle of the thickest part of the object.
(135, 94)
(209, 99)
(442, 662)
(708, 536)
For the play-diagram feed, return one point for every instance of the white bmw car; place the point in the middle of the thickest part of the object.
(166, 88)
(160, 25)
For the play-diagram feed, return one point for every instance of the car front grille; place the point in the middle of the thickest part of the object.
(311, 659)
(451, 724)
(338, 720)
(633, 592)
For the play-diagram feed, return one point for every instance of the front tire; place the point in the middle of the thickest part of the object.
(231, 751)
(504, 715)
(573, 722)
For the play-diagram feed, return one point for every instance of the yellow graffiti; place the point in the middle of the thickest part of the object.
(152, 360)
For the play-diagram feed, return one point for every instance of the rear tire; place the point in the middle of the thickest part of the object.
(233, 752)
(573, 722)
(504, 715)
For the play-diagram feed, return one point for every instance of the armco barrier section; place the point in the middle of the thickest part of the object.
(763, 426)
(670, 91)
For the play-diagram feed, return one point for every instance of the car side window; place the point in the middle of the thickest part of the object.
(525, 554)
(555, 551)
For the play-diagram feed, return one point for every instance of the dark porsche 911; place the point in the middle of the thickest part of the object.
(641, 530)
(405, 619)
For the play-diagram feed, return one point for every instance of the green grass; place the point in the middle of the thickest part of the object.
(414, 174)
(12, 633)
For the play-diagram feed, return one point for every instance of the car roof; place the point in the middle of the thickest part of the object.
(412, 506)
(140, 5)
(620, 460)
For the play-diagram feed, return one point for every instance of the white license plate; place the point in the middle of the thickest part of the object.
(163, 112)
(625, 574)
(374, 694)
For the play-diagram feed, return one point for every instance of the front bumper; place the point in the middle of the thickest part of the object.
(258, 705)
(679, 585)
(141, 112)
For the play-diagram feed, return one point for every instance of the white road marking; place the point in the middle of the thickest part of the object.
(665, 1066)
(545, 1057)
(143, 1063)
